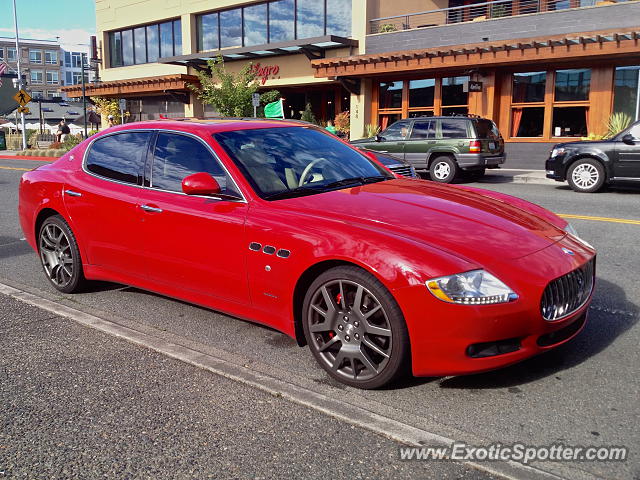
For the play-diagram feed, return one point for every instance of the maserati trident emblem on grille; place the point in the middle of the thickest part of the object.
(567, 251)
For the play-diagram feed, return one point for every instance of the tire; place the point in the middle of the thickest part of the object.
(586, 175)
(365, 347)
(443, 169)
(60, 256)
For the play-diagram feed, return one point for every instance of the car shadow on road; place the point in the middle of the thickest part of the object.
(610, 315)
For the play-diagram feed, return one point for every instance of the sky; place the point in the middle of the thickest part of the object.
(71, 20)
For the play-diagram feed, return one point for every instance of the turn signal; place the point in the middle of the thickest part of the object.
(474, 146)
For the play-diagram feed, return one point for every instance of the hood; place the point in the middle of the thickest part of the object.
(363, 141)
(465, 223)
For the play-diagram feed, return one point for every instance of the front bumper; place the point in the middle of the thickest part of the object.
(449, 339)
(554, 169)
(467, 160)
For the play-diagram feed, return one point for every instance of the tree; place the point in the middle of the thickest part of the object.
(230, 93)
(106, 107)
(308, 115)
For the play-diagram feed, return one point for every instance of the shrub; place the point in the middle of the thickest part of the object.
(308, 115)
(342, 122)
(71, 141)
(617, 123)
(371, 130)
(387, 27)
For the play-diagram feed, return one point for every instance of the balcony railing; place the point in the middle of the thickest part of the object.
(473, 12)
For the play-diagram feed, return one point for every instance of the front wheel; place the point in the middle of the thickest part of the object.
(586, 176)
(443, 169)
(355, 328)
(60, 255)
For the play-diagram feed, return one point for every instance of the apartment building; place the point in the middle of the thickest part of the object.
(40, 63)
(544, 70)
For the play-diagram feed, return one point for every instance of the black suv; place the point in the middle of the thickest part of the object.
(588, 165)
(442, 146)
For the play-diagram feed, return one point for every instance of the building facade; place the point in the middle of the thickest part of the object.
(40, 64)
(544, 70)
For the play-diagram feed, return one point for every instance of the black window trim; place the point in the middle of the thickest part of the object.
(148, 162)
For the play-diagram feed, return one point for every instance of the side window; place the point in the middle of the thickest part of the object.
(454, 128)
(119, 157)
(178, 156)
(635, 131)
(397, 131)
(423, 129)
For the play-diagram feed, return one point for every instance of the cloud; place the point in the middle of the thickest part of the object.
(73, 36)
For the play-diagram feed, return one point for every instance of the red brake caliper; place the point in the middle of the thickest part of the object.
(338, 300)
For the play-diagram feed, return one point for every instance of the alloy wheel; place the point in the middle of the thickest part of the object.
(57, 255)
(585, 176)
(349, 330)
(441, 170)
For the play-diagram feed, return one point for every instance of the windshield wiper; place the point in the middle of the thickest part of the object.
(356, 181)
(295, 192)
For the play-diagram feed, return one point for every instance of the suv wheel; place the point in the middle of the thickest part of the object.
(443, 169)
(586, 176)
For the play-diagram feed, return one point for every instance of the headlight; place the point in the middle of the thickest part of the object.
(471, 288)
(558, 151)
(574, 233)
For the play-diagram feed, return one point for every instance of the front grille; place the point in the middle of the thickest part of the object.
(404, 170)
(566, 294)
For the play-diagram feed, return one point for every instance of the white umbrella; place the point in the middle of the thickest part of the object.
(8, 125)
(75, 128)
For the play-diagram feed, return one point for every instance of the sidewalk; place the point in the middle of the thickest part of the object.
(506, 175)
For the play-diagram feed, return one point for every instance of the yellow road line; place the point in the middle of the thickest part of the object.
(599, 219)
(16, 168)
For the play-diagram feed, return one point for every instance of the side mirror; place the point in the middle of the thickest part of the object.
(628, 139)
(378, 138)
(200, 183)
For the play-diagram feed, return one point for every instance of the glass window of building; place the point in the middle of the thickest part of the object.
(390, 95)
(453, 91)
(144, 44)
(339, 17)
(310, 18)
(36, 76)
(255, 25)
(68, 79)
(140, 45)
(570, 121)
(76, 59)
(231, 28)
(127, 47)
(281, 21)
(35, 56)
(51, 57)
(529, 87)
(207, 26)
(177, 37)
(421, 92)
(11, 54)
(166, 39)
(153, 43)
(626, 95)
(1, 53)
(572, 85)
(527, 122)
(52, 78)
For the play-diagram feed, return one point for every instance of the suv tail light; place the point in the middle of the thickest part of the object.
(474, 146)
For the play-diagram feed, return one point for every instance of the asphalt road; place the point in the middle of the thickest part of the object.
(583, 393)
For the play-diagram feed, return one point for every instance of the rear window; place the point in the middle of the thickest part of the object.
(119, 157)
(454, 128)
(486, 129)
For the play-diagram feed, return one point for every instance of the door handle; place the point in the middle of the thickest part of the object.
(71, 193)
(149, 208)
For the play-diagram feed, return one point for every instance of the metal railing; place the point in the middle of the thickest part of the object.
(474, 12)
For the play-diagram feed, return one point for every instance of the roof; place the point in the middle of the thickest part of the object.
(51, 111)
(210, 125)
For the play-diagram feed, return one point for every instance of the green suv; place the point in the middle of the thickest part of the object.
(442, 146)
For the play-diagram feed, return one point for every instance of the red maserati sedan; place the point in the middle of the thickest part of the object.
(282, 224)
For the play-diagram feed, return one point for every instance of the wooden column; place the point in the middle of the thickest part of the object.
(504, 115)
(600, 98)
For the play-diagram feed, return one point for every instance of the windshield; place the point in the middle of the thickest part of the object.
(295, 161)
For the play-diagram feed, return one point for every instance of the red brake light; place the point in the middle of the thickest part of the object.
(474, 146)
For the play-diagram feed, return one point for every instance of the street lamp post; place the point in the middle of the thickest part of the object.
(18, 55)
(84, 98)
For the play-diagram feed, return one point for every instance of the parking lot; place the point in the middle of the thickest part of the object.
(584, 393)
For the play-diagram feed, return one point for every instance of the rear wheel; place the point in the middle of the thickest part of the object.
(355, 328)
(586, 175)
(443, 169)
(60, 256)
